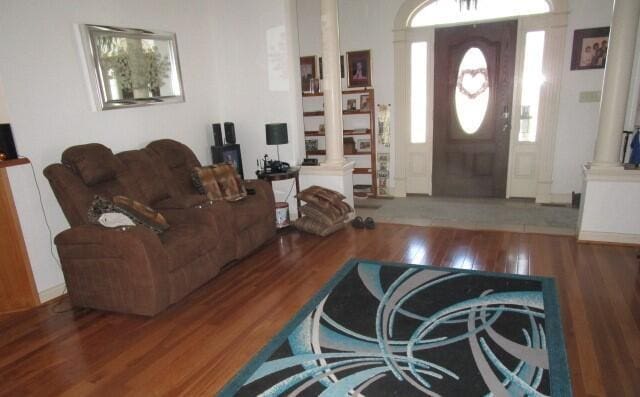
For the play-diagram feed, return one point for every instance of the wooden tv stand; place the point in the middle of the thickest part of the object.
(17, 287)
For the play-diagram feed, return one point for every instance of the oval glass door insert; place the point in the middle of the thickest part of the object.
(472, 91)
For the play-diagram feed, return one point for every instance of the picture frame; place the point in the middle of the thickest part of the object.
(311, 145)
(228, 154)
(351, 105)
(364, 145)
(307, 73)
(364, 103)
(359, 69)
(341, 67)
(132, 67)
(590, 48)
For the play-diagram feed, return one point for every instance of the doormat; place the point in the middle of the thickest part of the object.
(384, 329)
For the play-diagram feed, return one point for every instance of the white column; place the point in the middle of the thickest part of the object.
(332, 82)
(617, 75)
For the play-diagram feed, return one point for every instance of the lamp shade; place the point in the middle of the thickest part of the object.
(277, 134)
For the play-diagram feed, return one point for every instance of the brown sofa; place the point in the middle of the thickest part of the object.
(136, 270)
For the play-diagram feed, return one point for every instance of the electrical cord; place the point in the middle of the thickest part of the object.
(51, 245)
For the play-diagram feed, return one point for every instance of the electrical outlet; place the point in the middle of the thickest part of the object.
(590, 96)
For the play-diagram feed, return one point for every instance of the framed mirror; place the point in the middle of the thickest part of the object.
(133, 67)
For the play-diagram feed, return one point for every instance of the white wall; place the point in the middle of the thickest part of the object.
(258, 65)
(4, 112)
(48, 97)
(578, 122)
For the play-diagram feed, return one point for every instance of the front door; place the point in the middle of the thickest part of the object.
(474, 67)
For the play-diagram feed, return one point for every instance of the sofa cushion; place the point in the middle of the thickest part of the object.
(185, 243)
(246, 213)
(94, 163)
(183, 202)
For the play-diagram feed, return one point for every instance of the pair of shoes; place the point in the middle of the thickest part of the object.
(359, 223)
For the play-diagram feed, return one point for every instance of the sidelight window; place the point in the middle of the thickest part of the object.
(532, 81)
(419, 92)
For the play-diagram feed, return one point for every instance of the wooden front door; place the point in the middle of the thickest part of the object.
(474, 67)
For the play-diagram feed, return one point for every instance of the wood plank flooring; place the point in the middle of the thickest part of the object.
(197, 345)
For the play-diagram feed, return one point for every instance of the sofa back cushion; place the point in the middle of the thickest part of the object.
(87, 171)
(177, 163)
(146, 174)
(94, 163)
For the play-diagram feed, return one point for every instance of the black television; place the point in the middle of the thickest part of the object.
(7, 146)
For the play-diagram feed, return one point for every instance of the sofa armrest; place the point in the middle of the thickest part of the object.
(263, 189)
(114, 269)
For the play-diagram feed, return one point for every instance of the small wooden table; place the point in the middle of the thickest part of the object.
(292, 173)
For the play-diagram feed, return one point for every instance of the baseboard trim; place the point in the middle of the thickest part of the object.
(52, 293)
(604, 237)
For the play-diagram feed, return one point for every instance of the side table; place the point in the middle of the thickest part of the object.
(292, 173)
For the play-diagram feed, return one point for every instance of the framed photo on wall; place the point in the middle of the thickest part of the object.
(590, 48)
(359, 69)
(307, 72)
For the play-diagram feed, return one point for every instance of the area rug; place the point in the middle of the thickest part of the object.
(383, 329)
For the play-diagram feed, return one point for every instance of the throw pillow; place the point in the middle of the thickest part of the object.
(141, 214)
(204, 180)
(323, 193)
(137, 212)
(230, 182)
(309, 225)
(219, 181)
(326, 199)
(327, 217)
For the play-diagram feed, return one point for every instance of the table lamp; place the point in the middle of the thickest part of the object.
(277, 135)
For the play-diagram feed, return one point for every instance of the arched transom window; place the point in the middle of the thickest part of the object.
(442, 12)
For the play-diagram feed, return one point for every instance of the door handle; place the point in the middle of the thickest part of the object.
(506, 114)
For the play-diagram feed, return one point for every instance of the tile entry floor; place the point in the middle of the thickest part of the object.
(515, 215)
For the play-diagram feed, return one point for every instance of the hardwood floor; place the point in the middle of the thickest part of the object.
(197, 345)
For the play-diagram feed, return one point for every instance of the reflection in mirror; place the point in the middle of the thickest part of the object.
(134, 67)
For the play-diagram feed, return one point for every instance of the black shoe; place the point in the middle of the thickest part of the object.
(357, 222)
(369, 223)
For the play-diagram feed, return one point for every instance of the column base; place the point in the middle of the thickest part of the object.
(609, 206)
(338, 177)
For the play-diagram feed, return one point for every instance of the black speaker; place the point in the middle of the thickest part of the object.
(7, 146)
(229, 133)
(217, 134)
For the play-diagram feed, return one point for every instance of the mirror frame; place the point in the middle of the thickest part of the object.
(95, 68)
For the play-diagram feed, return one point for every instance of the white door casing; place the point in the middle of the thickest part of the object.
(530, 163)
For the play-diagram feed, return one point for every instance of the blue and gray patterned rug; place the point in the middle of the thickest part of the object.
(381, 329)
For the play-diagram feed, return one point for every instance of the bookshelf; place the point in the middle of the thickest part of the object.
(362, 131)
